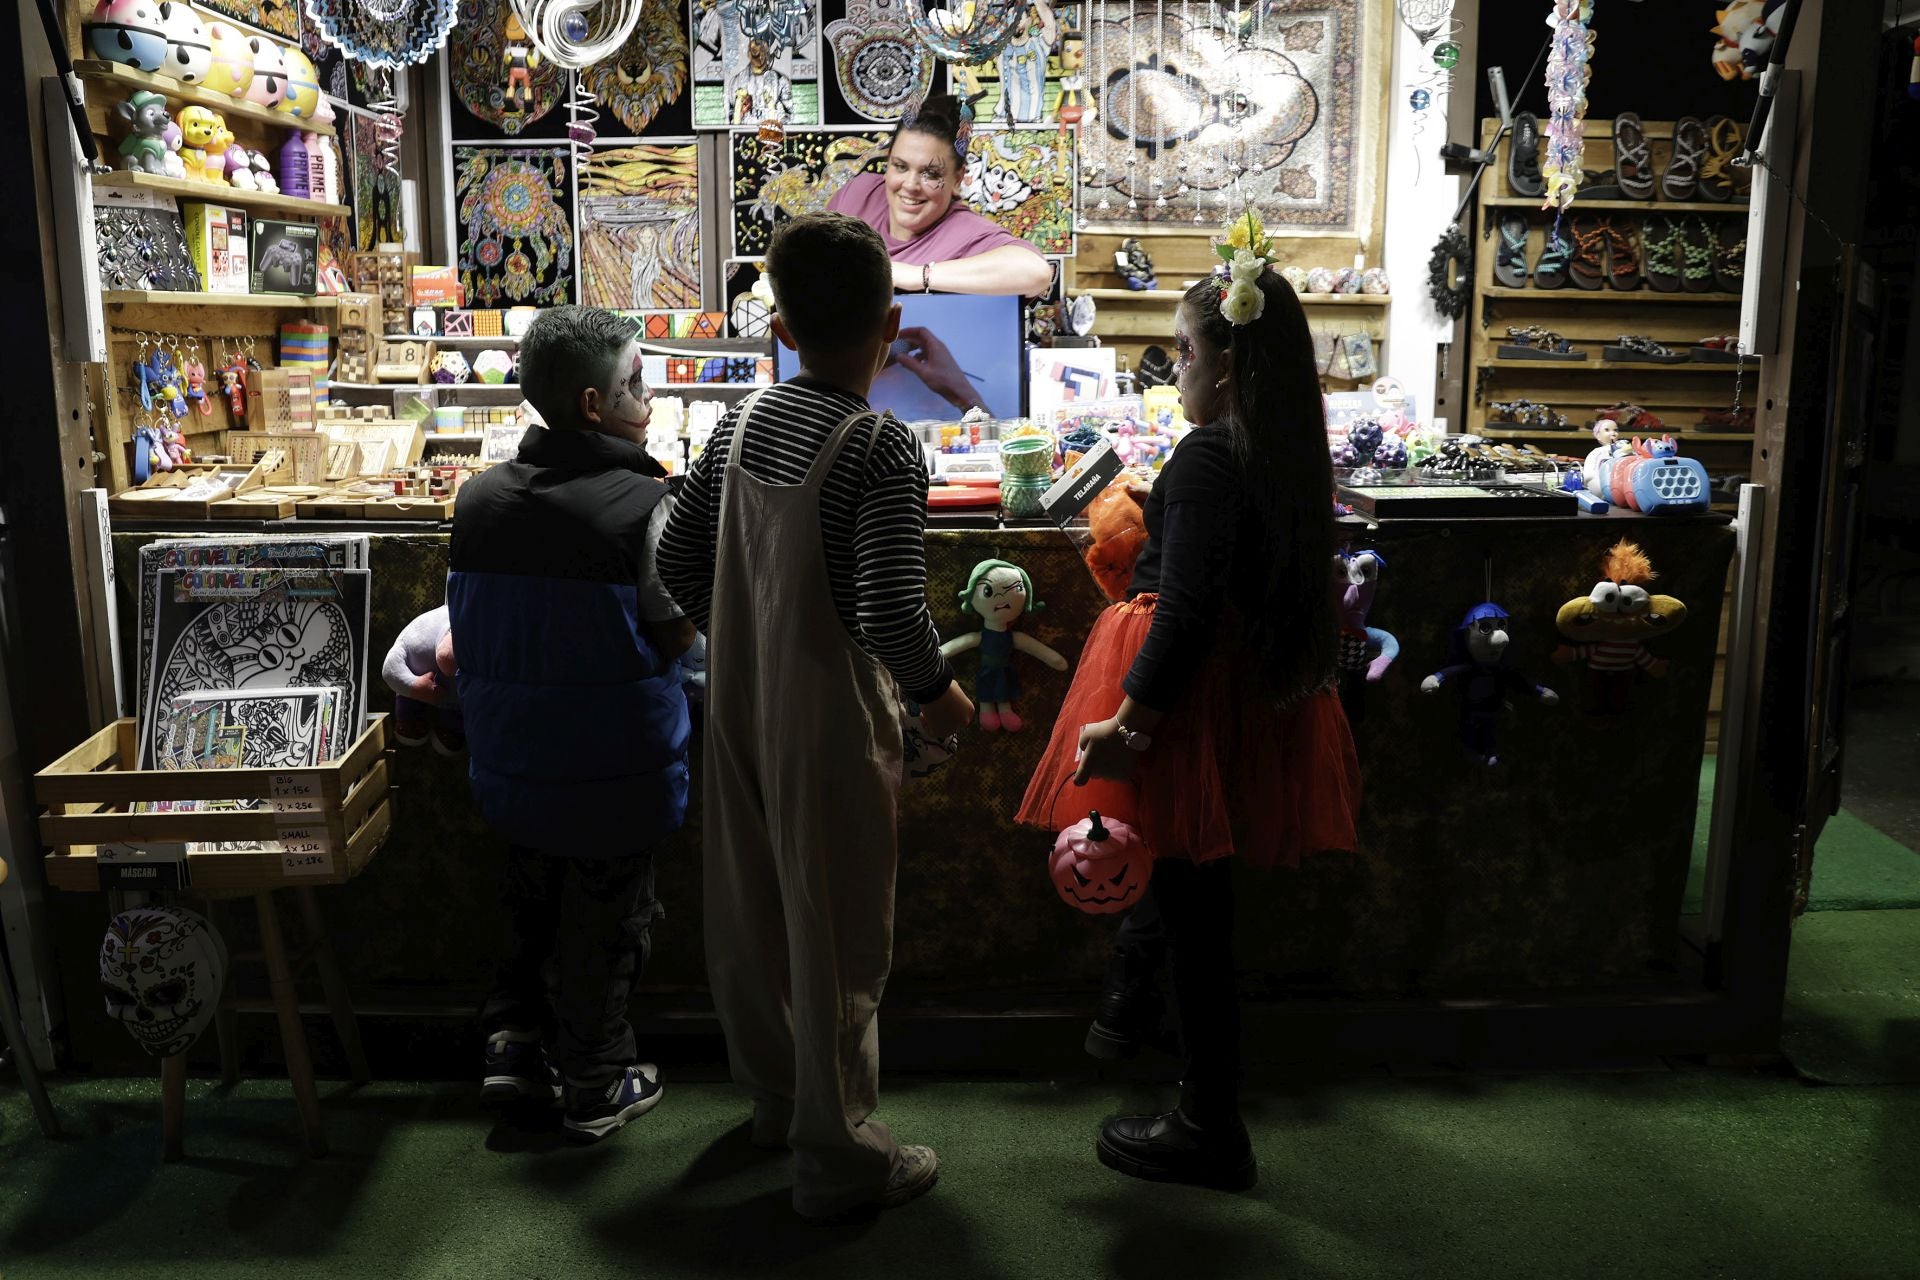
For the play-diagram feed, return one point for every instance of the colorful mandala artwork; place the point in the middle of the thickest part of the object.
(375, 195)
(882, 67)
(499, 81)
(773, 181)
(648, 73)
(755, 61)
(393, 34)
(1023, 180)
(640, 228)
(516, 230)
(281, 17)
(1213, 117)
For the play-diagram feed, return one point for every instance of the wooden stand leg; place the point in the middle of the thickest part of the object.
(226, 1029)
(293, 1039)
(334, 983)
(23, 1053)
(173, 1106)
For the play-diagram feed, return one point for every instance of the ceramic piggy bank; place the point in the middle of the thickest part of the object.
(130, 32)
(269, 84)
(232, 68)
(189, 53)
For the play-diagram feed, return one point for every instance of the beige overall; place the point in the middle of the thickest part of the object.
(803, 765)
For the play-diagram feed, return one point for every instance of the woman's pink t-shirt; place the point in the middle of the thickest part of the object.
(962, 233)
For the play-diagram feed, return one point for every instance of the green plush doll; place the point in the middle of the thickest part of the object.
(999, 592)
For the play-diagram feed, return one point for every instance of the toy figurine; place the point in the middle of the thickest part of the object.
(129, 32)
(268, 85)
(999, 592)
(232, 60)
(1100, 867)
(1480, 661)
(1607, 628)
(519, 60)
(197, 384)
(303, 85)
(201, 130)
(159, 383)
(189, 53)
(233, 381)
(1075, 105)
(1134, 266)
(145, 147)
(263, 179)
(1365, 652)
(239, 167)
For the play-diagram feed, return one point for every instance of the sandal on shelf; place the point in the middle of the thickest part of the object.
(1719, 178)
(1700, 245)
(1523, 156)
(1730, 267)
(1510, 255)
(1632, 158)
(1661, 238)
(1682, 177)
(1550, 272)
(1726, 419)
(1631, 418)
(1537, 343)
(1637, 348)
(1599, 184)
(1722, 349)
(1623, 247)
(1526, 413)
(1588, 267)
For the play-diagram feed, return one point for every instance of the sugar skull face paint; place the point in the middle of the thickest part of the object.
(629, 402)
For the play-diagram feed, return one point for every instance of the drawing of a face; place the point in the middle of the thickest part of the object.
(757, 55)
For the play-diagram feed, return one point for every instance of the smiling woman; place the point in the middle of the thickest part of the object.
(935, 245)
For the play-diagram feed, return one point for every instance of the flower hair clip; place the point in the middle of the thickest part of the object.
(1245, 252)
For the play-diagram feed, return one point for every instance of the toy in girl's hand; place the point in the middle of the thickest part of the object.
(145, 147)
(1118, 525)
(1100, 866)
(1480, 661)
(1365, 652)
(1609, 626)
(999, 592)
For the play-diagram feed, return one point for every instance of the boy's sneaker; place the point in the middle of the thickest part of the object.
(918, 1170)
(517, 1071)
(595, 1111)
(410, 724)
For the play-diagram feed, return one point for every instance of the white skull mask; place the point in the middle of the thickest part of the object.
(162, 969)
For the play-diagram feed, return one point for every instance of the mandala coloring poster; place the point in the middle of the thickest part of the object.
(649, 72)
(881, 66)
(755, 60)
(1269, 109)
(499, 78)
(281, 17)
(640, 228)
(773, 181)
(1023, 180)
(512, 209)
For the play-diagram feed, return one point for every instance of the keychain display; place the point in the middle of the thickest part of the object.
(196, 373)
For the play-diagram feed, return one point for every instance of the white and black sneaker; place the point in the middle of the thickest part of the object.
(517, 1071)
(594, 1111)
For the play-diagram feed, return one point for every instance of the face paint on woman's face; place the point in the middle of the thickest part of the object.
(629, 401)
(922, 176)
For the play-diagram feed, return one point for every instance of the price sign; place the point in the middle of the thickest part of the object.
(123, 865)
(294, 793)
(305, 850)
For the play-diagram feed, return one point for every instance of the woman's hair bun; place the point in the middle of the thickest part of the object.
(942, 116)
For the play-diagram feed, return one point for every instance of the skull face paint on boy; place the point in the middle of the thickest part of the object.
(629, 402)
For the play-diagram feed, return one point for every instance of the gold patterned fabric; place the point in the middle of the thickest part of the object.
(1563, 867)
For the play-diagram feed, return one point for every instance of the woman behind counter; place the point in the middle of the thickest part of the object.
(937, 245)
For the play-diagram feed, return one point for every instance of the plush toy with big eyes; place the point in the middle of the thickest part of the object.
(999, 592)
(1365, 652)
(1480, 664)
(1100, 867)
(1609, 626)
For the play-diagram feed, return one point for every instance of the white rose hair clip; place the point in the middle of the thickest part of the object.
(1245, 252)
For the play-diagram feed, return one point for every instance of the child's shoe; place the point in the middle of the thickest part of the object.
(517, 1070)
(449, 733)
(410, 721)
(1010, 722)
(594, 1111)
(913, 1177)
(989, 720)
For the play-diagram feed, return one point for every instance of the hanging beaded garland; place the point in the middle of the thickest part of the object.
(1568, 70)
(384, 33)
(980, 40)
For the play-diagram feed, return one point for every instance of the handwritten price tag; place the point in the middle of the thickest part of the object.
(294, 793)
(305, 851)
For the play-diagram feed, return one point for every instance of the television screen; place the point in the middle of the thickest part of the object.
(953, 347)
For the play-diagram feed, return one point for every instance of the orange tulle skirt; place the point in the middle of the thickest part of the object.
(1226, 774)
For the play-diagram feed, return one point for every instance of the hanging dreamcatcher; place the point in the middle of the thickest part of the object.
(384, 33)
(967, 41)
(576, 34)
(1430, 83)
(1568, 70)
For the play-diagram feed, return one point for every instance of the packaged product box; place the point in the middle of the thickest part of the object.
(436, 287)
(286, 256)
(217, 241)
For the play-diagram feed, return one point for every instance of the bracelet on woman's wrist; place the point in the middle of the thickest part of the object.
(926, 277)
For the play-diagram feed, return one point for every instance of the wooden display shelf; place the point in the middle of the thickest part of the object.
(676, 387)
(221, 193)
(164, 297)
(1607, 295)
(129, 79)
(1610, 206)
(1625, 366)
(1306, 299)
(1574, 434)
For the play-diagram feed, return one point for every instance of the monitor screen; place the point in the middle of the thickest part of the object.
(981, 334)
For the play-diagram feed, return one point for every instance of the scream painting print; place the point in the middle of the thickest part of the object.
(640, 228)
(512, 208)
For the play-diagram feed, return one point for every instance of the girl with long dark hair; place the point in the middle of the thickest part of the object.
(1203, 713)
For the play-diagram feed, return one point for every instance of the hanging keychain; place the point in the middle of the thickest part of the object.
(233, 381)
(197, 379)
(141, 373)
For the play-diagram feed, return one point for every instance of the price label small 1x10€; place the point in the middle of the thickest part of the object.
(305, 851)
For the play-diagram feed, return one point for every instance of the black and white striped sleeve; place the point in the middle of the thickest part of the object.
(890, 550)
(688, 547)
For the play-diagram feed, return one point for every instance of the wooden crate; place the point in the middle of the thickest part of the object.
(305, 453)
(351, 503)
(89, 794)
(154, 500)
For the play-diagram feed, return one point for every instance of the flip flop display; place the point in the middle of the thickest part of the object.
(1523, 156)
(1623, 248)
(1634, 348)
(1700, 245)
(1537, 343)
(1719, 177)
(1589, 265)
(1682, 177)
(1730, 267)
(1661, 238)
(1550, 272)
(1510, 257)
(1632, 158)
